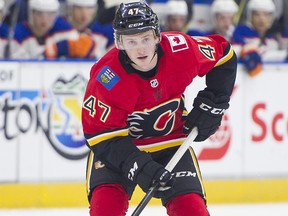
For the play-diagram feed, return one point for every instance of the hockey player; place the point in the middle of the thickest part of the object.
(222, 15)
(134, 117)
(176, 16)
(81, 15)
(253, 42)
(43, 29)
(223, 12)
(38, 38)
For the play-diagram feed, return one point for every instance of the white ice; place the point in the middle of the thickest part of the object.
(265, 209)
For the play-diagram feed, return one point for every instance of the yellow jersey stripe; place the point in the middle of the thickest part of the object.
(195, 161)
(185, 112)
(225, 58)
(89, 170)
(161, 145)
(99, 138)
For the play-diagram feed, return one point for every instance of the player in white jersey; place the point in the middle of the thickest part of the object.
(43, 29)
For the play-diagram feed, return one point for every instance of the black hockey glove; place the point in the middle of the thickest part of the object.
(205, 115)
(141, 169)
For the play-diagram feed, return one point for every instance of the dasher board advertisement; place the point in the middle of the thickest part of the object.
(41, 136)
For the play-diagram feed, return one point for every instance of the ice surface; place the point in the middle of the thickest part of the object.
(265, 209)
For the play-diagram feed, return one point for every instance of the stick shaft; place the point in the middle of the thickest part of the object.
(170, 166)
(145, 200)
(181, 150)
(240, 11)
(14, 19)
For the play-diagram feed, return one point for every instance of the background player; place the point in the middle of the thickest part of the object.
(134, 116)
(3, 31)
(254, 42)
(43, 29)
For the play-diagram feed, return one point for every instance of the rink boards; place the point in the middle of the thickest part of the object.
(43, 152)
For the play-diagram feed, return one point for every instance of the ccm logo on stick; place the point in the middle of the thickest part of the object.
(215, 111)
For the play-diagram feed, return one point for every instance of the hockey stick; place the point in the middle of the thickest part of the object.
(11, 31)
(170, 166)
(239, 14)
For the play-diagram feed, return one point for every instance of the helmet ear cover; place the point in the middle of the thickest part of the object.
(134, 18)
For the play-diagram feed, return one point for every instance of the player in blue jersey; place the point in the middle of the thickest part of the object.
(81, 15)
(254, 42)
(43, 29)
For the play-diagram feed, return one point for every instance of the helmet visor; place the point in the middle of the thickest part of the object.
(145, 39)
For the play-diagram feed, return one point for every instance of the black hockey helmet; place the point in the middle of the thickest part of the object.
(135, 17)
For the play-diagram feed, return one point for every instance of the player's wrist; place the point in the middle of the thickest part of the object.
(208, 107)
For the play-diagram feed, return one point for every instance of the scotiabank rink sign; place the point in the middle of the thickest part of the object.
(252, 141)
(41, 137)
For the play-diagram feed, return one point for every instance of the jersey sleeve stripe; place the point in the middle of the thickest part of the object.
(225, 58)
(105, 136)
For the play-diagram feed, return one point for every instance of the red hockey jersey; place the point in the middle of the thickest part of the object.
(118, 103)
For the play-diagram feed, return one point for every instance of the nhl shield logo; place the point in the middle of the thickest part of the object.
(154, 83)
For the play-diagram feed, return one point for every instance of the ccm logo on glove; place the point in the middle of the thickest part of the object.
(212, 110)
(132, 171)
(140, 168)
(206, 115)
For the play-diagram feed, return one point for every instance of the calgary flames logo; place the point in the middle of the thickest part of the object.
(157, 121)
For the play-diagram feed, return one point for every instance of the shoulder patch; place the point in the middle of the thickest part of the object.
(177, 42)
(108, 78)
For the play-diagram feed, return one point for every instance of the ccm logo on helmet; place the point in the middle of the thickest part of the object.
(135, 25)
(215, 111)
